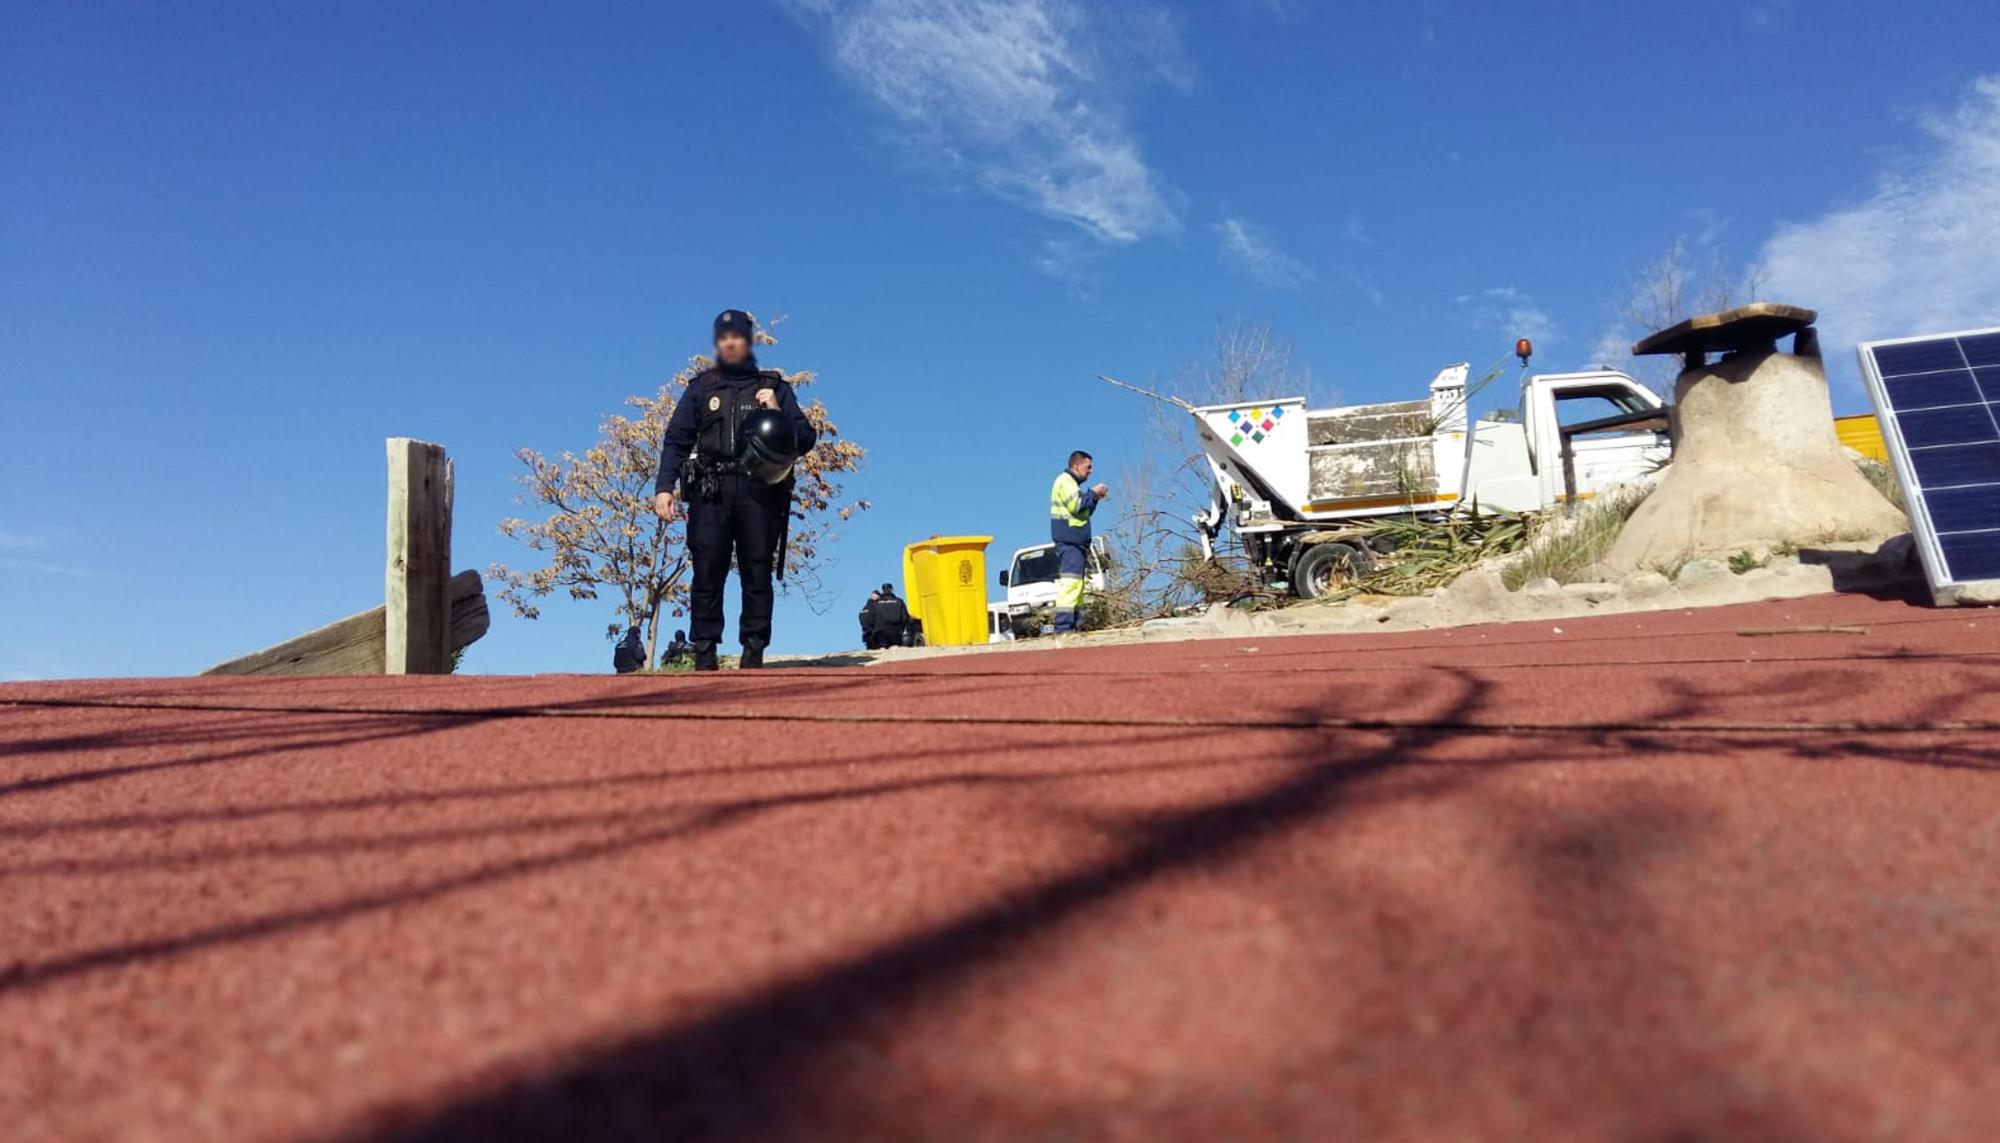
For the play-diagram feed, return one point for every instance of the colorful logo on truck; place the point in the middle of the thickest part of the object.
(1253, 424)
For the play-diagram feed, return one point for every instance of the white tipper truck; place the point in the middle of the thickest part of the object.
(1294, 482)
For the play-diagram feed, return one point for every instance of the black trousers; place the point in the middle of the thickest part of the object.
(744, 520)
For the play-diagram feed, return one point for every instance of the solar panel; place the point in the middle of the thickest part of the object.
(1938, 399)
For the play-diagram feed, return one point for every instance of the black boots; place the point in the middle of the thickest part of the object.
(752, 660)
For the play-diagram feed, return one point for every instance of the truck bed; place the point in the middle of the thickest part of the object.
(1371, 452)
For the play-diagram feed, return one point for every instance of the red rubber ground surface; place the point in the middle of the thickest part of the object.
(1644, 878)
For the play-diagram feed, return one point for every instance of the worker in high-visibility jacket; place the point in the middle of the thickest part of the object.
(1071, 504)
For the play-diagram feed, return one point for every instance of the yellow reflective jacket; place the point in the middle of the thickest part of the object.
(1070, 508)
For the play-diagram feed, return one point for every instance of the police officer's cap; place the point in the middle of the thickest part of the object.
(734, 321)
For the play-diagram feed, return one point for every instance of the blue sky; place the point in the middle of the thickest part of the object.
(242, 244)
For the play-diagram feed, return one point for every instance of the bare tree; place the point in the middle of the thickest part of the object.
(1677, 286)
(599, 533)
(1158, 566)
(1247, 361)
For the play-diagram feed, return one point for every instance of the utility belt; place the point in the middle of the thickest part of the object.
(702, 477)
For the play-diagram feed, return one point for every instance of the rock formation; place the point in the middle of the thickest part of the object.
(1756, 462)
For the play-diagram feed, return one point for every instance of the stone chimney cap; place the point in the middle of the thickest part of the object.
(1754, 326)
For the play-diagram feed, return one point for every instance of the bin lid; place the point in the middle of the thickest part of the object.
(943, 543)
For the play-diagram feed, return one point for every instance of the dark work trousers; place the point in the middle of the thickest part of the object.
(745, 519)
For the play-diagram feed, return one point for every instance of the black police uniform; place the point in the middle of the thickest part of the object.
(883, 620)
(728, 512)
(630, 654)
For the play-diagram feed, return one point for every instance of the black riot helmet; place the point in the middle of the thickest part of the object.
(769, 447)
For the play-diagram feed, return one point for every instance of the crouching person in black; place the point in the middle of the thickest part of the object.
(738, 495)
(885, 621)
(868, 620)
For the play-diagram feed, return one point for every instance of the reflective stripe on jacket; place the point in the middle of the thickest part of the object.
(1070, 506)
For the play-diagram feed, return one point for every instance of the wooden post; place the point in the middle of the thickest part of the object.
(417, 600)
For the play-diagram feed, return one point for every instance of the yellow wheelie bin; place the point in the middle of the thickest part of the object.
(944, 584)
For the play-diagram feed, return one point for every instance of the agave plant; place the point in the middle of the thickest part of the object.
(1420, 554)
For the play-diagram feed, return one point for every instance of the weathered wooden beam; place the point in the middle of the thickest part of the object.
(356, 645)
(416, 592)
(350, 646)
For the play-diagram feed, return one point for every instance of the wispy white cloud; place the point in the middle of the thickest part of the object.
(1356, 231)
(30, 539)
(1611, 350)
(1512, 311)
(29, 549)
(1533, 323)
(1249, 250)
(1767, 15)
(1019, 96)
(1363, 283)
(1709, 225)
(1071, 261)
(1918, 255)
(44, 567)
(1288, 11)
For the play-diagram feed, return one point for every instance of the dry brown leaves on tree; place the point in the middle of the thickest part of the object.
(594, 532)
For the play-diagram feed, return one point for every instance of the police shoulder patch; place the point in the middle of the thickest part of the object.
(714, 403)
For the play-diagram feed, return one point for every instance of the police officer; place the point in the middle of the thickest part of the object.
(1071, 504)
(884, 620)
(630, 654)
(729, 511)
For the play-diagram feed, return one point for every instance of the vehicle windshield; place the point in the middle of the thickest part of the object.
(1576, 406)
(1034, 567)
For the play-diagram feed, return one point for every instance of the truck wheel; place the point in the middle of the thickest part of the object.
(1326, 568)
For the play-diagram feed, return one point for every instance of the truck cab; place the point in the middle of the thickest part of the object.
(1030, 581)
(1516, 463)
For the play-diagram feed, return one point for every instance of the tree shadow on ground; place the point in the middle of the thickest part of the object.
(636, 829)
(759, 1065)
(768, 1064)
(274, 729)
(691, 816)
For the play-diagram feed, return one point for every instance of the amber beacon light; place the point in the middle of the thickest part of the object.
(1524, 349)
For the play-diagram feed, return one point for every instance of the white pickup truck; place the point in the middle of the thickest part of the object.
(1030, 581)
(1294, 481)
